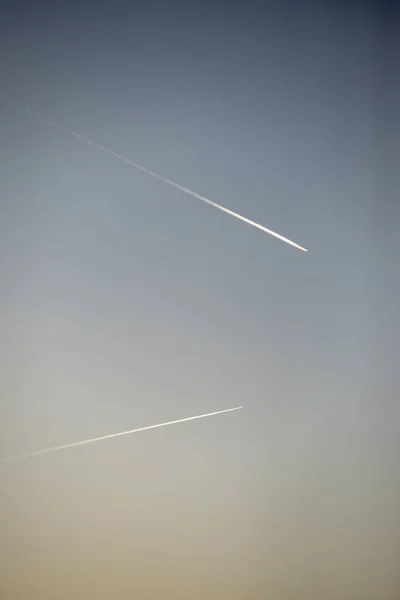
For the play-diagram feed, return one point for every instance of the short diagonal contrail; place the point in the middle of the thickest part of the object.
(114, 435)
(168, 181)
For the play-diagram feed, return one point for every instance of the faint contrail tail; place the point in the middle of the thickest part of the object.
(165, 180)
(114, 435)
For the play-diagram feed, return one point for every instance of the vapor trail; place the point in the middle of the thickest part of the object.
(165, 180)
(114, 435)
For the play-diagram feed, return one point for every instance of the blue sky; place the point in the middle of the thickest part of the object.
(126, 303)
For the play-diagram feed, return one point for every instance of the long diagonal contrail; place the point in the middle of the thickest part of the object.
(165, 180)
(114, 435)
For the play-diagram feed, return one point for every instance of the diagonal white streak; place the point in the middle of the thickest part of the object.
(168, 181)
(114, 435)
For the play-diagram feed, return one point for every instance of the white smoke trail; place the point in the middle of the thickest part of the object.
(168, 181)
(114, 435)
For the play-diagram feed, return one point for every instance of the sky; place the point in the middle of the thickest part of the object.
(125, 302)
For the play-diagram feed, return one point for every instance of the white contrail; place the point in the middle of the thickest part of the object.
(114, 435)
(165, 180)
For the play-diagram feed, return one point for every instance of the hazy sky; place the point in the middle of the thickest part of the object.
(125, 302)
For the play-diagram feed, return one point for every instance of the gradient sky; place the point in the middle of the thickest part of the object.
(125, 302)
